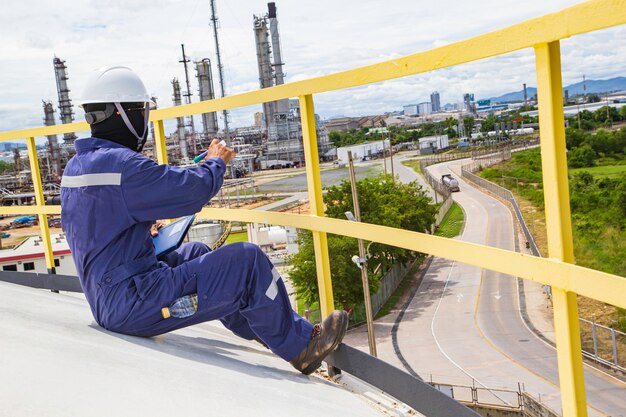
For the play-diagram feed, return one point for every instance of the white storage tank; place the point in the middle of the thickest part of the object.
(207, 233)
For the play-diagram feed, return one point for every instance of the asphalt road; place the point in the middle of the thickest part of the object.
(464, 326)
(297, 183)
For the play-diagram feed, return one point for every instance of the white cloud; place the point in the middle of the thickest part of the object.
(317, 38)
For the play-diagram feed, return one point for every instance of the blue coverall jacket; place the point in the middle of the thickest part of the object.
(110, 197)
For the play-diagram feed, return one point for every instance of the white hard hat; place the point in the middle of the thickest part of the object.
(114, 85)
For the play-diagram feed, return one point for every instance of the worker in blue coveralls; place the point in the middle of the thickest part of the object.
(111, 195)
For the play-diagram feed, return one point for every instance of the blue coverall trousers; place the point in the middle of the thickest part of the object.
(236, 284)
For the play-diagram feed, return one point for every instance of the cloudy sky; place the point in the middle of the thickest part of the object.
(318, 37)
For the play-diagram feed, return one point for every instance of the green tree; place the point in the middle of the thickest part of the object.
(575, 137)
(6, 166)
(580, 157)
(383, 201)
(488, 124)
(606, 115)
(468, 122)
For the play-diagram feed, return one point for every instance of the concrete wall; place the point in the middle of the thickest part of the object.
(533, 408)
(388, 285)
(490, 411)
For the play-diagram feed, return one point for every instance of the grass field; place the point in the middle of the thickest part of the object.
(413, 163)
(237, 237)
(610, 171)
(452, 222)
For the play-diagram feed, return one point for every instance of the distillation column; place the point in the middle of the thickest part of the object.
(65, 104)
(282, 106)
(53, 142)
(264, 63)
(206, 92)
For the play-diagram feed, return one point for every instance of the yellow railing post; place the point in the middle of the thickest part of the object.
(40, 201)
(159, 139)
(558, 224)
(316, 203)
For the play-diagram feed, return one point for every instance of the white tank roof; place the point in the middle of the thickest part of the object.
(56, 361)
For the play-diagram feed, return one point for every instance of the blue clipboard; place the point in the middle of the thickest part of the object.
(170, 237)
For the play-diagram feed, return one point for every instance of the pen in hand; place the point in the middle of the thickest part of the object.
(203, 154)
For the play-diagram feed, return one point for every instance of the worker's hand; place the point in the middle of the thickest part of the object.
(154, 230)
(224, 152)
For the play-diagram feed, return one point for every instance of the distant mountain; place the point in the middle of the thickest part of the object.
(598, 86)
(593, 86)
(514, 96)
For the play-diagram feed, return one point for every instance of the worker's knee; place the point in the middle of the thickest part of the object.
(249, 252)
(197, 248)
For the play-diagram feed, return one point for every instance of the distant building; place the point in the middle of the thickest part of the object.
(342, 124)
(410, 110)
(258, 119)
(429, 144)
(400, 121)
(29, 256)
(7, 146)
(435, 103)
(468, 103)
(362, 150)
(425, 108)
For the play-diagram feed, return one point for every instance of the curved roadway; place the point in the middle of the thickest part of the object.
(464, 326)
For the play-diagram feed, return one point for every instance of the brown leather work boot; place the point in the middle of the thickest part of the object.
(324, 339)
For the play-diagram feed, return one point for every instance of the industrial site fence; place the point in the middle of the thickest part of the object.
(389, 282)
(603, 344)
(543, 36)
(600, 343)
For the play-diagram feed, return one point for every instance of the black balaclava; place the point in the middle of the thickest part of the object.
(114, 129)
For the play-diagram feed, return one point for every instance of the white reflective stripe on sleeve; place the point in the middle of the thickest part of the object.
(105, 178)
(272, 290)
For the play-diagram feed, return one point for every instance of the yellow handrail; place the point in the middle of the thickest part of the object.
(567, 280)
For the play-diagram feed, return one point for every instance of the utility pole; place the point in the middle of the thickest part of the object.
(608, 113)
(384, 154)
(362, 263)
(393, 174)
(220, 70)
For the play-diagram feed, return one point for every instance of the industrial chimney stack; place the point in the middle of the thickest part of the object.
(65, 104)
(282, 105)
(180, 121)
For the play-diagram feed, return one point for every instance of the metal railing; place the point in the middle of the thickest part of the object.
(602, 344)
(543, 34)
(467, 171)
(478, 395)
